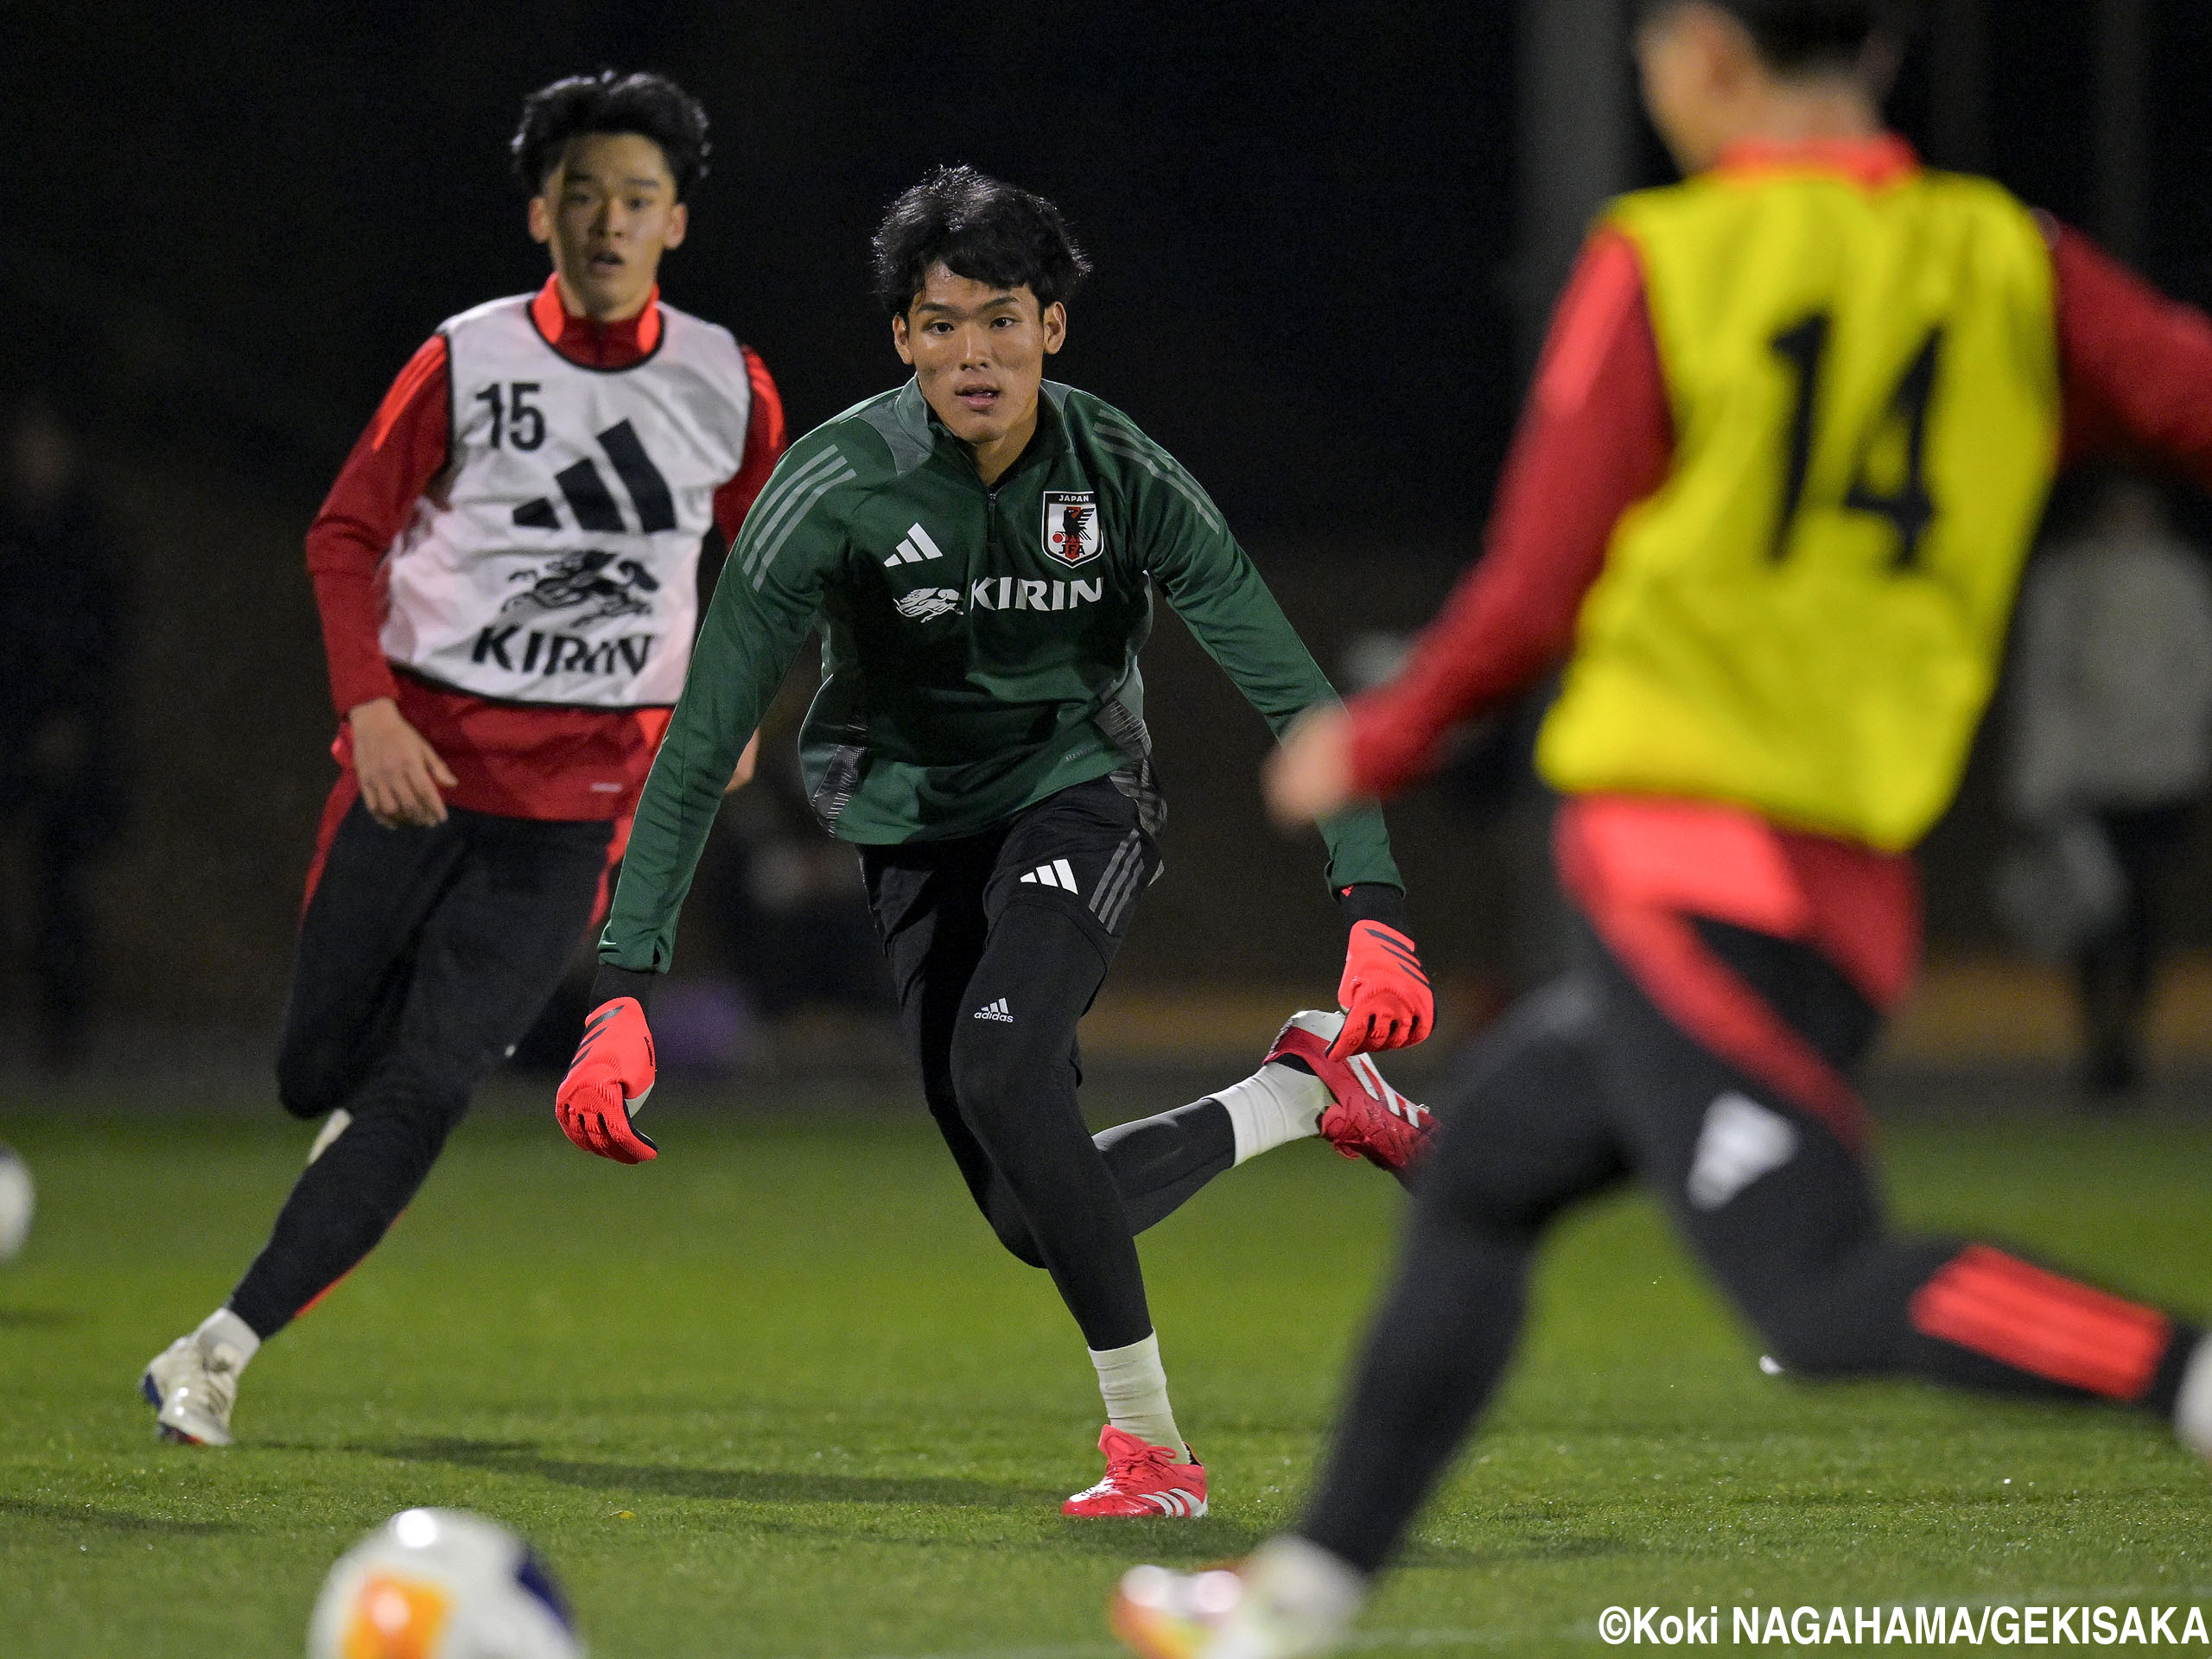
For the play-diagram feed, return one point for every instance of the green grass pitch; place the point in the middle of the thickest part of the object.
(780, 1395)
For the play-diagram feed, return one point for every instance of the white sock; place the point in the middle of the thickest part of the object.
(224, 1329)
(2193, 1409)
(1134, 1386)
(1294, 1592)
(1276, 1103)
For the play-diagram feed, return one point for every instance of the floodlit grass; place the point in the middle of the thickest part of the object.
(840, 1421)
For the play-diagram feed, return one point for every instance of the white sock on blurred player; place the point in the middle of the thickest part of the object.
(224, 1328)
(1297, 1599)
(1134, 1386)
(2193, 1408)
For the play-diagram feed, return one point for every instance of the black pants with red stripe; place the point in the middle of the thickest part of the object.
(424, 954)
(1587, 1083)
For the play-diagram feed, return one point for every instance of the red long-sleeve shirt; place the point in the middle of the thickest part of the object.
(509, 758)
(1598, 437)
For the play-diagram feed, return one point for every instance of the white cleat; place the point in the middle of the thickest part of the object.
(1290, 1601)
(192, 1386)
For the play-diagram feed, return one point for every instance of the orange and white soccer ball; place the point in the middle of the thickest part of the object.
(441, 1584)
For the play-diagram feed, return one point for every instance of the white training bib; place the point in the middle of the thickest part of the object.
(555, 560)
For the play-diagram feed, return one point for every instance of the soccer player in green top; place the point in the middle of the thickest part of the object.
(979, 547)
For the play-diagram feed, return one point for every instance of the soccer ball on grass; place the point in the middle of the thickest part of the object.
(18, 1198)
(441, 1584)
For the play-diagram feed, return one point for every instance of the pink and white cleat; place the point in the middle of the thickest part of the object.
(1142, 1479)
(1367, 1118)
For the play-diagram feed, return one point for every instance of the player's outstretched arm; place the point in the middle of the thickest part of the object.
(1217, 591)
(763, 606)
(2134, 363)
(1309, 777)
(1385, 993)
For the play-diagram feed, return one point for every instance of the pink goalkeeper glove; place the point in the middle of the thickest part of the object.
(1384, 994)
(607, 1081)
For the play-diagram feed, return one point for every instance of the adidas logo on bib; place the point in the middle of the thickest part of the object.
(997, 1011)
(586, 493)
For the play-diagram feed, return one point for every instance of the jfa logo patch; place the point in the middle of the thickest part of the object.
(1071, 526)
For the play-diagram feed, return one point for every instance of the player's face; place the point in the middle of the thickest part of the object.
(608, 212)
(979, 352)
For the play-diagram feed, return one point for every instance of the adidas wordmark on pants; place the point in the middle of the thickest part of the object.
(997, 1010)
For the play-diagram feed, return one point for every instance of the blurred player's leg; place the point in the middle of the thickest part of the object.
(1525, 1132)
(1585, 1081)
(485, 911)
(1777, 1205)
(1785, 1214)
(2116, 971)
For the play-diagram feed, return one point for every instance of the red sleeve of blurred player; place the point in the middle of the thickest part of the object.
(765, 443)
(392, 465)
(2137, 367)
(1597, 437)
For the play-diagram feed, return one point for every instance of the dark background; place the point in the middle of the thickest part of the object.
(227, 225)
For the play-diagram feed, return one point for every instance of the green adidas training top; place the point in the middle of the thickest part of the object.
(979, 644)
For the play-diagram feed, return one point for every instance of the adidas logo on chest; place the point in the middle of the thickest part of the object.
(918, 547)
(914, 548)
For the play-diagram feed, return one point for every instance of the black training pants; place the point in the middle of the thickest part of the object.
(998, 942)
(1587, 1083)
(424, 954)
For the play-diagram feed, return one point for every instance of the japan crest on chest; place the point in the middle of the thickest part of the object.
(1071, 533)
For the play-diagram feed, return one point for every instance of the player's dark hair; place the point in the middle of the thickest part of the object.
(1809, 36)
(977, 227)
(652, 106)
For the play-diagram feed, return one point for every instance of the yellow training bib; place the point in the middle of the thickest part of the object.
(1809, 618)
